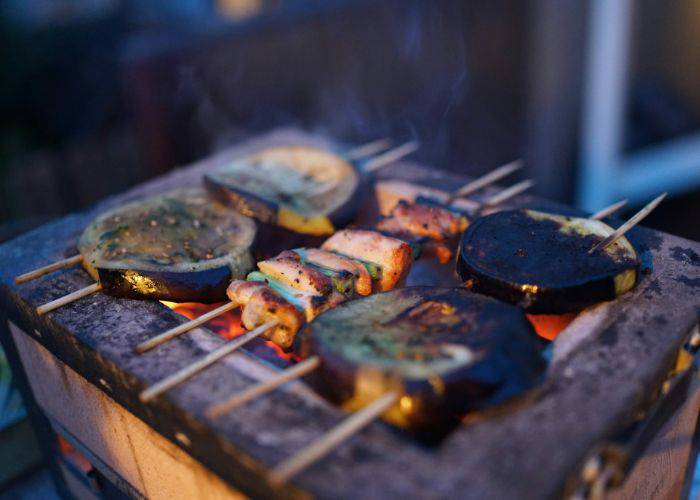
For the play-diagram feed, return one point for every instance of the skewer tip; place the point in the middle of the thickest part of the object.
(633, 221)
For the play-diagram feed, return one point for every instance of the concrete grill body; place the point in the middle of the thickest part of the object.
(608, 365)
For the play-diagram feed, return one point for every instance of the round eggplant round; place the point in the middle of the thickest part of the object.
(302, 189)
(540, 261)
(445, 351)
(180, 246)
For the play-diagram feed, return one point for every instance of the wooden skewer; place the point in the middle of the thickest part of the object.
(67, 299)
(368, 149)
(199, 365)
(634, 220)
(70, 261)
(296, 371)
(485, 180)
(342, 432)
(391, 156)
(609, 210)
(183, 328)
(508, 193)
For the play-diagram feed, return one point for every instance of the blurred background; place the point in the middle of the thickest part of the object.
(601, 98)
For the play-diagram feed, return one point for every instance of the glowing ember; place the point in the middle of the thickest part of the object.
(228, 326)
(548, 326)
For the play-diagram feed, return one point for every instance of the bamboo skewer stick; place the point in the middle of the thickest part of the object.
(609, 210)
(368, 149)
(204, 362)
(508, 193)
(183, 328)
(296, 371)
(55, 266)
(485, 180)
(327, 443)
(633, 221)
(67, 299)
(391, 156)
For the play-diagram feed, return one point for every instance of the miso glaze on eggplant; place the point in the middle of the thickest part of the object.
(540, 261)
(446, 351)
(303, 189)
(180, 246)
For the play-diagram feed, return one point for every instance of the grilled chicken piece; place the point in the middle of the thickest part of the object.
(262, 304)
(392, 255)
(390, 192)
(295, 274)
(421, 219)
(239, 291)
(335, 262)
(310, 304)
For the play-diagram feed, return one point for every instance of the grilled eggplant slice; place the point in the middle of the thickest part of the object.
(303, 189)
(540, 261)
(446, 351)
(393, 256)
(179, 246)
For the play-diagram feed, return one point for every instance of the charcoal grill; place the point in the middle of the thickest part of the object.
(608, 389)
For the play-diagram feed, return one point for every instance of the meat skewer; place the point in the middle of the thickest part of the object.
(270, 294)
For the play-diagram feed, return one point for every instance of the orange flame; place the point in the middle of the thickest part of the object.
(227, 325)
(548, 326)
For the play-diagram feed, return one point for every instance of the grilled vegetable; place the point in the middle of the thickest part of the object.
(446, 351)
(310, 304)
(540, 261)
(393, 256)
(178, 246)
(303, 189)
(261, 304)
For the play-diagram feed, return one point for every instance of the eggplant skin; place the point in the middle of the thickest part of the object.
(274, 212)
(525, 258)
(207, 286)
(248, 204)
(376, 344)
(179, 246)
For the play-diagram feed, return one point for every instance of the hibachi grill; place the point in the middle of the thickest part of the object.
(607, 369)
